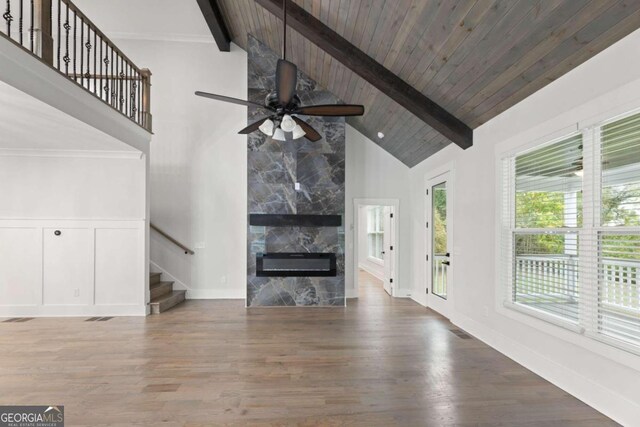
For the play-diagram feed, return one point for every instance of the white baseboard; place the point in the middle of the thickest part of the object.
(420, 298)
(377, 273)
(612, 404)
(215, 294)
(72, 310)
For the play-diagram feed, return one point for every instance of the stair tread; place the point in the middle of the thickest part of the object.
(154, 274)
(159, 284)
(167, 296)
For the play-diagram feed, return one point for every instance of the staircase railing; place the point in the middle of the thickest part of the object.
(61, 36)
(172, 240)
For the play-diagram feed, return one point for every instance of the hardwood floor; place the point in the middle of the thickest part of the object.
(378, 362)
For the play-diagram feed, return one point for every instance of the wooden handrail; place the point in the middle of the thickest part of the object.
(172, 240)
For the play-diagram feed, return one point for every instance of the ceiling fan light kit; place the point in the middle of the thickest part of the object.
(287, 123)
(278, 135)
(298, 132)
(284, 102)
(267, 127)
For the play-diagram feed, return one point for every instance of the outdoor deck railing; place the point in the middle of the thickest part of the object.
(555, 278)
(61, 36)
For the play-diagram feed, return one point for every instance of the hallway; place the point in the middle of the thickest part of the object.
(378, 362)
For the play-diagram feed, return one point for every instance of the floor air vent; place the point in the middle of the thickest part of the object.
(18, 319)
(98, 319)
(461, 334)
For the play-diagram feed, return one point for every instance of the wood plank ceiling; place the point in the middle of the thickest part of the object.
(475, 58)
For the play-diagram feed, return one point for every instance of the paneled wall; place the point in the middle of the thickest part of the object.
(72, 235)
(274, 167)
(89, 268)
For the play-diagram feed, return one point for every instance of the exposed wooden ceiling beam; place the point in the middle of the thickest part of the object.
(212, 15)
(370, 70)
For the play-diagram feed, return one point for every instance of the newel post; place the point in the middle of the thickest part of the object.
(42, 24)
(146, 99)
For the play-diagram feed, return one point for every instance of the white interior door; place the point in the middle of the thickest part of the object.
(439, 243)
(387, 253)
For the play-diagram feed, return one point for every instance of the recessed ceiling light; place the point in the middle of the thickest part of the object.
(380, 135)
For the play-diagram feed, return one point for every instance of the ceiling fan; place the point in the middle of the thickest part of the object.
(283, 104)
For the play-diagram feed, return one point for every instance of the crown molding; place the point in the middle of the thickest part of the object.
(165, 37)
(98, 154)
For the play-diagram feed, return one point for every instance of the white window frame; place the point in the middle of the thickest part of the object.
(378, 233)
(584, 333)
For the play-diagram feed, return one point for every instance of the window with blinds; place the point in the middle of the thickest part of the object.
(571, 231)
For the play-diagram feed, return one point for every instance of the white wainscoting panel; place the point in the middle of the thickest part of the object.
(68, 269)
(92, 268)
(20, 266)
(118, 257)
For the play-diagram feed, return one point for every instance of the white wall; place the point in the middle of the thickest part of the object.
(198, 164)
(96, 264)
(372, 173)
(605, 378)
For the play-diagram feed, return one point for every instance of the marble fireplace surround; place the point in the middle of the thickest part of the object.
(274, 167)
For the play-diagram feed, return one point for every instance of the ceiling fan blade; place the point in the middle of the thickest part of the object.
(252, 127)
(310, 133)
(231, 100)
(286, 80)
(331, 110)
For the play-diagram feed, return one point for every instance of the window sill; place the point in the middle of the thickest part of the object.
(604, 346)
(376, 260)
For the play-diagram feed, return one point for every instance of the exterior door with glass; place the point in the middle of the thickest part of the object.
(439, 243)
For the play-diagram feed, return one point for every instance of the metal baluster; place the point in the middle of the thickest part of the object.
(112, 83)
(89, 47)
(95, 67)
(81, 51)
(75, 32)
(21, 23)
(133, 91)
(58, 35)
(139, 80)
(125, 93)
(121, 76)
(117, 83)
(128, 89)
(67, 27)
(31, 27)
(8, 18)
(101, 83)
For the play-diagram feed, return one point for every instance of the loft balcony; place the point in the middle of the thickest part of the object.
(59, 35)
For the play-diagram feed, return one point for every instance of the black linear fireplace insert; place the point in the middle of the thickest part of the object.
(298, 264)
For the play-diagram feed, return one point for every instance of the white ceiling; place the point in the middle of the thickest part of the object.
(29, 124)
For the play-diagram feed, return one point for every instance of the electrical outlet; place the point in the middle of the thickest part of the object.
(76, 293)
(485, 311)
(223, 280)
(297, 186)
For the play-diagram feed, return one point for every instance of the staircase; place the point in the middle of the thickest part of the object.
(163, 297)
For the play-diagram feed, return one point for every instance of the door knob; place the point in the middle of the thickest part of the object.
(57, 232)
(446, 263)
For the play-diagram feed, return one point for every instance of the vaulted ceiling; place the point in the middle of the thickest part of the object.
(475, 58)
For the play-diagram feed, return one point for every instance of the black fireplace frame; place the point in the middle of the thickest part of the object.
(331, 272)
